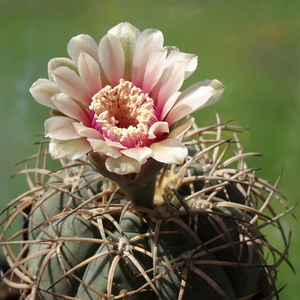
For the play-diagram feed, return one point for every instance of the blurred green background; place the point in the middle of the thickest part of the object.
(253, 47)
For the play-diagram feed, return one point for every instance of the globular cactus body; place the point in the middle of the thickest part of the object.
(199, 240)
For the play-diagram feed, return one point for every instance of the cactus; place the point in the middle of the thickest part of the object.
(202, 238)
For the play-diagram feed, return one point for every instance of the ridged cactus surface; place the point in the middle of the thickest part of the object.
(203, 238)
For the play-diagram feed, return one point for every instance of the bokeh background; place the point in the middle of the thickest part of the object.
(252, 46)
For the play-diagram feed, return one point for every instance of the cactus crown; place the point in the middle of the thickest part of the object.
(203, 237)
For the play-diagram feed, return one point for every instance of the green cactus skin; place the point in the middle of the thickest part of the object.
(48, 209)
(209, 227)
(246, 279)
(71, 254)
(126, 276)
(54, 202)
(199, 288)
(179, 243)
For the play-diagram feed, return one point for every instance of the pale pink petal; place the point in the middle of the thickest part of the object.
(148, 41)
(181, 128)
(69, 149)
(217, 86)
(157, 129)
(55, 63)
(114, 144)
(59, 127)
(169, 151)
(154, 69)
(190, 65)
(169, 104)
(43, 90)
(89, 72)
(82, 43)
(191, 60)
(197, 96)
(139, 154)
(103, 147)
(122, 165)
(111, 56)
(127, 35)
(200, 96)
(169, 84)
(71, 108)
(87, 132)
(125, 32)
(71, 84)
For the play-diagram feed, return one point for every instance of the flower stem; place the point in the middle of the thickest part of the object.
(140, 193)
(137, 187)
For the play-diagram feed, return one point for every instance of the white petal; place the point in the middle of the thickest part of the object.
(154, 69)
(157, 129)
(55, 63)
(82, 43)
(169, 151)
(114, 144)
(169, 104)
(89, 71)
(71, 108)
(87, 132)
(43, 90)
(191, 60)
(103, 147)
(139, 154)
(71, 84)
(127, 35)
(181, 128)
(125, 32)
(190, 65)
(148, 41)
(122, 165)
(61, 128)
(111, 56)
(197, 96)
(169, 84)
(190, 103)
(70, 149)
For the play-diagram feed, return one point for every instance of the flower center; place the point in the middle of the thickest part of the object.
(123, 114)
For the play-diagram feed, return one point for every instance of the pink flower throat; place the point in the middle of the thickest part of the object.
(124, 114)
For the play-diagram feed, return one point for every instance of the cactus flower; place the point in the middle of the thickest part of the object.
(120, 99)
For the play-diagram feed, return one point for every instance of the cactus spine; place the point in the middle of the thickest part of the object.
(203, 238)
